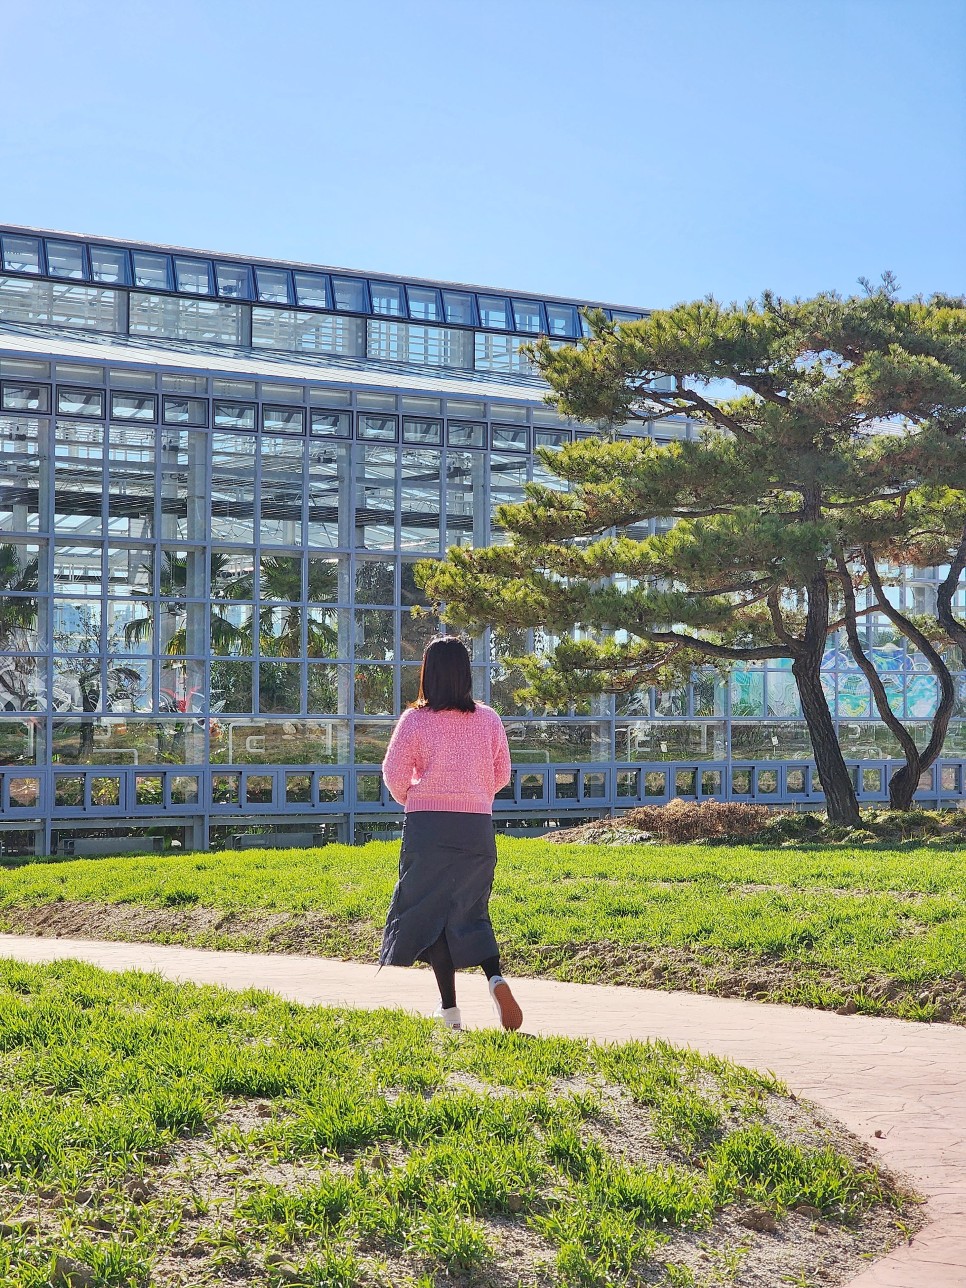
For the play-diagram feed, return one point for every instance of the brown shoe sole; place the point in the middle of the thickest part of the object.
(511, 1017)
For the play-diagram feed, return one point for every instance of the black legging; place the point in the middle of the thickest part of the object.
(441, 960)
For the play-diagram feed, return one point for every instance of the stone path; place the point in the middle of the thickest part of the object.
(906, 1081)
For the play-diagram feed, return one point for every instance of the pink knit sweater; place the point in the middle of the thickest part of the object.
(447, 760)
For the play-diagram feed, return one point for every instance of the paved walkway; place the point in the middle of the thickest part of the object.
(906, 1081)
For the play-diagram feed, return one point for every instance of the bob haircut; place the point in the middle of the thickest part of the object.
(445, 680)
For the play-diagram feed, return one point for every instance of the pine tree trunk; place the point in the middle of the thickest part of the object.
(833, 773)
(902, 786)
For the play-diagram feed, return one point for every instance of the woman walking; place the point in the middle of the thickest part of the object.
(447, 759)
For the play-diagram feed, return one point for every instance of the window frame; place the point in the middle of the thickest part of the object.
(85, 272)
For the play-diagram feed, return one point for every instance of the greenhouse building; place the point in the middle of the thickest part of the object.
(216, 475)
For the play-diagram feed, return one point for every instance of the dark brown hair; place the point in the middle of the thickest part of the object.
(445, 680)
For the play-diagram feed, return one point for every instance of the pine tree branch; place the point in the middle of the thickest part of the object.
(882, 704)
(778, 622)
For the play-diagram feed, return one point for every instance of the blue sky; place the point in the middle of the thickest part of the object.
(636, 151)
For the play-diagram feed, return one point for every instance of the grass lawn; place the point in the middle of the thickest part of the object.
(182, 1135)
(878, 930)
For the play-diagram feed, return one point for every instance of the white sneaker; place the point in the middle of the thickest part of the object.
(505, 1004)
(450, 1015)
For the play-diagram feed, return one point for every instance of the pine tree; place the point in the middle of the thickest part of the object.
(814, 420)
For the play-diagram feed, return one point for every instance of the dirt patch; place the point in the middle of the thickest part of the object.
(637, 965)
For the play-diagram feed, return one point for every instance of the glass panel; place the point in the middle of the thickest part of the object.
(24, 793)
(76, 625)
(21, 254)
(381, 427)
(374, 690)
(192, 276)
(375, 513)
(20, 568)
(60, 304)
(109, 264)
(872, 780)
(128, 378)
(280, 578)
(312, 289)
(26, 397)
(594, 786)
(711, 782)
(298, 789)
(233, 487)
(526, 316)
(134, 407)
(562, 320)
(331, 788)
(419, 500)
(458, 306)
(331, 424)
(148, 789)
(105, 790)
(502, 353)
(460, 433)
(234, 281)
(69, 790)
(329, 505)
(23, 684)
(184, 789)
(186, 411)
(170, 317)
(232, 629)
(327, 688)
(21, 742)
(565, 785)
(18, 613)
(232, 687)
(747, 693)
(151, 270)
(549, 741)
(234, 415)
(283, 420)
(279, 685)
(299, 332)
(422, 431)
(280, 742)
(350, 294)
(424, 303)
(375, 582)
(282, 492)
(183, 686)
(686, 782)
(741, 782)
(507, 438)
(259, 789)
(466, 510)
(225, 789)
(669, 740)
(387, 298)
(795, 783)
(119, 740)
(130, 624)
(767, 782)
(80, 402)
(65, 259)
(273, 285)
(494, 311)
(375, 634)
(533, 787)
(767, 741)
(328, 580)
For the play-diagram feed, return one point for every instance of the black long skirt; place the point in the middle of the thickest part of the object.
(446, 870)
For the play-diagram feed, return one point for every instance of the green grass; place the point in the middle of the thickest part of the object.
(146, 1127)
(883, 929)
